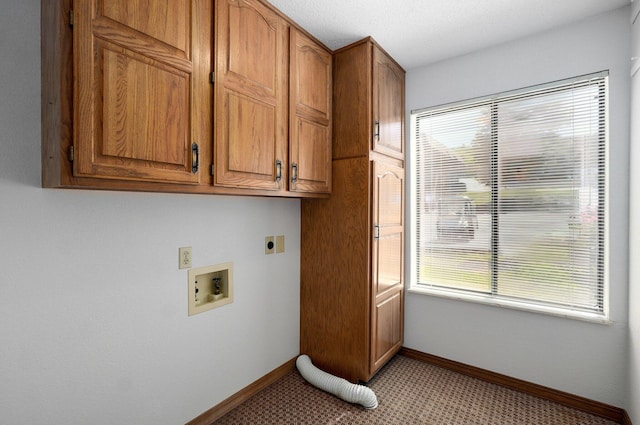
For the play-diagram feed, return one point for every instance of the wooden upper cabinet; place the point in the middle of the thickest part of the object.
(185, 96)
(250, 96)
(369, 115)
(388, 105)
(310, 115)
(138, 68)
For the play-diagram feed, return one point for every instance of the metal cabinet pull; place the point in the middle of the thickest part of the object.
(376, 133)
(195, 158)
(294, 172)
(278, 170)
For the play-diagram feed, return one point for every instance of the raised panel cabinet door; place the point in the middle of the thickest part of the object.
(250, 96)
(310, 88)
(388, 227)
(387, 262)
(388, 328)
(388, 105)
(141, 79)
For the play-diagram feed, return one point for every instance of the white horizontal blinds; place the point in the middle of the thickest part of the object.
(510, 193)
(453, 194)
(550, 148)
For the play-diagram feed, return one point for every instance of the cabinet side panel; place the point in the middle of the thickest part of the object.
(57, 82)
(335, 291)
(352, 101)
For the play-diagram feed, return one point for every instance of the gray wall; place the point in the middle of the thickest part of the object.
(93, 308)
(583, 358)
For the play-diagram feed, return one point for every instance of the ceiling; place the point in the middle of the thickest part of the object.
(419, 32)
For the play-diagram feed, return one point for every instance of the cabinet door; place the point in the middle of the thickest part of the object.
(250, 96)
(137, 66)
(388, 261)
(388, 105)
(388, 316)
(310, 109)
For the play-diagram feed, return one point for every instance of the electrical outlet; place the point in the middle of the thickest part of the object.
(184, 257)
(269, 245)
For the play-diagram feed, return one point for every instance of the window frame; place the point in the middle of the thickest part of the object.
(414, 286)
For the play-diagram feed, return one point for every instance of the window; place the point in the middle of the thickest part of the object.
(509, 198)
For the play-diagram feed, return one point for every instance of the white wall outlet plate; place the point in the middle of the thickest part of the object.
(185, 256)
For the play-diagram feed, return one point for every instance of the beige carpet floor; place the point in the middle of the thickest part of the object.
(409, 392)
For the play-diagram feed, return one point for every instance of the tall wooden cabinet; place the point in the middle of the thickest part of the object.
(352, 244)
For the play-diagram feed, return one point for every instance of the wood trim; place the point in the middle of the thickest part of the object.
(597, 408)
(590, 406)
(224, 407)
(626, 420)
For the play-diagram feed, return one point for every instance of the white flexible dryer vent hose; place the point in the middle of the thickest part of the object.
(352, 393)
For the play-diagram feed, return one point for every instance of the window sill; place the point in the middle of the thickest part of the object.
(512, 304)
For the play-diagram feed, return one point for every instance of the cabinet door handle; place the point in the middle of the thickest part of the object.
(195, 158)
(376, 232)
(376, 133)
(294, 172)
(278, 170)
